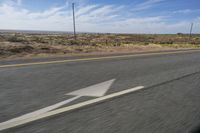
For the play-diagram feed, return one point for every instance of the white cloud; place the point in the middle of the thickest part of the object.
(45, 14)
(12, 2)
(85, 10)
(146, 5)
(90, 18)
(100, 14)
(183, 11)
(186, 11)
(144, 25)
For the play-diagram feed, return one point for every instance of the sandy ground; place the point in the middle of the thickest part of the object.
(60, 51)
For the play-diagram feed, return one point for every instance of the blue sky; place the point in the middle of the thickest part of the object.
(114, 16)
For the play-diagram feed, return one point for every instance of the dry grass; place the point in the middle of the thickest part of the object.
(25, 44)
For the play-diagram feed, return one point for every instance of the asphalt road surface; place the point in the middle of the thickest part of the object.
(168, 103)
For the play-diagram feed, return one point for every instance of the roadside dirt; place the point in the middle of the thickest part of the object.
(29, 45)
(23, 52)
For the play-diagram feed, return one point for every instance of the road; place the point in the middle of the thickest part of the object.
(169, 101)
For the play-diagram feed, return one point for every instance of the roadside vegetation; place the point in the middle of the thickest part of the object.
(29, 44)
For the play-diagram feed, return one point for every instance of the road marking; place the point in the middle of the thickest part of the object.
(97, 90)
(90, 59)
(41, 111)
(4, 126)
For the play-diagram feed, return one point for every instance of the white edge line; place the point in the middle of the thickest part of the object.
(66, 109)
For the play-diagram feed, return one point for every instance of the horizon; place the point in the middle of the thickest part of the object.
(71, 32)
(95, 16)
(79, 32)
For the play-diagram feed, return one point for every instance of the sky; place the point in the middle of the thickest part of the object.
(103, 16)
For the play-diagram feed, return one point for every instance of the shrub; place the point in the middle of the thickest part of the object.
(1, 52)
(78, 42)
(180, 34)
(21, 49)
(39, 39)
(166, 42)
(15, 39)
(146, 43)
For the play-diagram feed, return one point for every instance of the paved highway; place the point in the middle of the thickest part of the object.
(167, 99)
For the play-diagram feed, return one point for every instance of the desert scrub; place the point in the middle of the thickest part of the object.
(2, 51)
(81, 42)
(15, 39)
(38, 39)
(166, 42)
(21, 49)
(50, 50)
(2, 38)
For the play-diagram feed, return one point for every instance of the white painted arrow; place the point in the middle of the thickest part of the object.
(97, 90)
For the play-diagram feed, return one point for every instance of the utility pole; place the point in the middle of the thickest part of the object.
(74, 21)
(191, 28)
